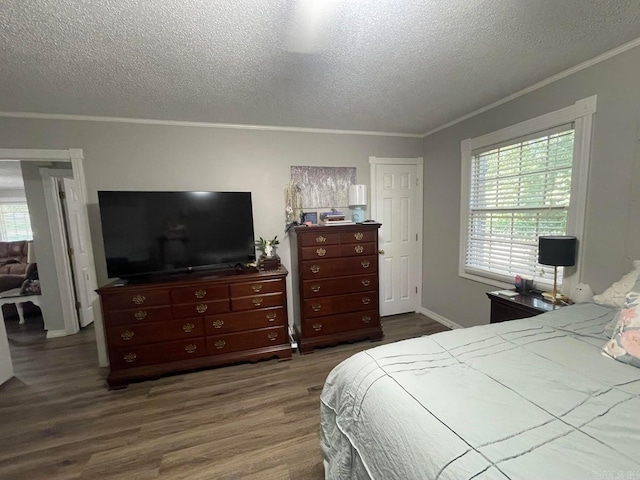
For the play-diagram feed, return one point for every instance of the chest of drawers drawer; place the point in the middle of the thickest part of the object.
(199, 293)
(255, 302)
(144, 333)
(137, 298)
(339, 267)
(321, 306)
(143, 355)
(138, 315)
(336, 286)
(341, 323)
(242, 321)
(257, 288)
(201, 308)
(233, 342)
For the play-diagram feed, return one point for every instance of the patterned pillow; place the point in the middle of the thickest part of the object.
(624, 346)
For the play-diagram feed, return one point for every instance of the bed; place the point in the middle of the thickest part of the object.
(525, 399)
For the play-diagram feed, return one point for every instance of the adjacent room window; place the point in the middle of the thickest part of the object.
(14, 222)
(518, 185)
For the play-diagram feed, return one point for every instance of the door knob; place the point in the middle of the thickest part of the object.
(381, 251)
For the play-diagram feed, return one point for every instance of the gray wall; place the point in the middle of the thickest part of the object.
(613, 205)
(155, 157)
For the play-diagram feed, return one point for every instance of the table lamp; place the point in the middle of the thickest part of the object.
(357, 200)
(556, 251)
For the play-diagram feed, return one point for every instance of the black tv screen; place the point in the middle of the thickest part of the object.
(155, 232)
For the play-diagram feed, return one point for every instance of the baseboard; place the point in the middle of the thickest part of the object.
(56, 333)
(439, 318)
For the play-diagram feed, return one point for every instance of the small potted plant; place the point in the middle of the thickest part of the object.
(268, 246)
(268, 260)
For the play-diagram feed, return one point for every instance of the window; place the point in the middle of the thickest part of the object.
(518, 184)
(14, 222)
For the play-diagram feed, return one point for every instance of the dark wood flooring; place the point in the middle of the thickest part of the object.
(247, 421)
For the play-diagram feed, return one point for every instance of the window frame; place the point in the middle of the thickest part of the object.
(581, 114)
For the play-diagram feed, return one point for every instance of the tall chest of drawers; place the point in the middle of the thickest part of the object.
(183, 324)
(335, 278)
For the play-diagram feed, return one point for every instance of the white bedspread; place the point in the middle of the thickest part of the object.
(525, 399)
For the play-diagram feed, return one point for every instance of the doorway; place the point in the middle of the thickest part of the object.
(396, 202)
(65, 295)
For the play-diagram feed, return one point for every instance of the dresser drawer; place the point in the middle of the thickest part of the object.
(234, 342)
(134, 299)
(138, 356)
(138, 315)
(324, 251)
(258, 301)
(338, 267)
(330, 286)
(318, 307)
(310, 238)
(357, 249)
(314, 327)
(201, 308)
(241, 321)
(144, 333)
(197, 293)
(358, 236)
(256, 288)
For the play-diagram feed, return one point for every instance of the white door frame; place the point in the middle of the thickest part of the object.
(419, 162)
(75, 157)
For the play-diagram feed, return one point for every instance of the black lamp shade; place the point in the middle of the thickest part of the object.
(559, 251)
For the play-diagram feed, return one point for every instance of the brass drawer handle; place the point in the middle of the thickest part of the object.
(188, 327)
(140, 314)
(127, 335)
(202, 308)
(190, 348)
(316, 307)
(200, 293)
(366, 300)
(256, 287)
(315, 268)
(358, 249)
(257, 301)
(366, 319)
(130, 357)
(272, 336)
(220, 344)
(320, 239)
(321, 252)
(315, 287)
(365, 263)
(139, 299)
(217, 323)
(358, 236)
(366, 282)
(317, 327)
(271, 316)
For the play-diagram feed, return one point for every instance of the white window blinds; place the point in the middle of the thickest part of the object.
(519, 190)
(14, 222)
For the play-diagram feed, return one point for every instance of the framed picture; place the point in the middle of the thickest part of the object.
(310, 217)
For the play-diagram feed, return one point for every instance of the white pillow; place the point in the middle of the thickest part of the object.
(615, 295)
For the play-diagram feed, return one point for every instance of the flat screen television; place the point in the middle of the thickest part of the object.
(148, 233)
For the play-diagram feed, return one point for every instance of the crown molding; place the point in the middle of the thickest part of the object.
(179, 123)
(581, 66)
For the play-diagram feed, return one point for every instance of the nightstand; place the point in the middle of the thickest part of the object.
(522, 305)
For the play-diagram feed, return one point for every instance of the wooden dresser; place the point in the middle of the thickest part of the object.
(190, 322)
(335, 283)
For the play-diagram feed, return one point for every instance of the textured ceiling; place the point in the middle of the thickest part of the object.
(377, 65)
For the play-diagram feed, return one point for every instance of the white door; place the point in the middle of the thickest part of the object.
(78, 237)
(397, 205)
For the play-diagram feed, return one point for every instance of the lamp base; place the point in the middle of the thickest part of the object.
(358, 214)
(560, 298)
